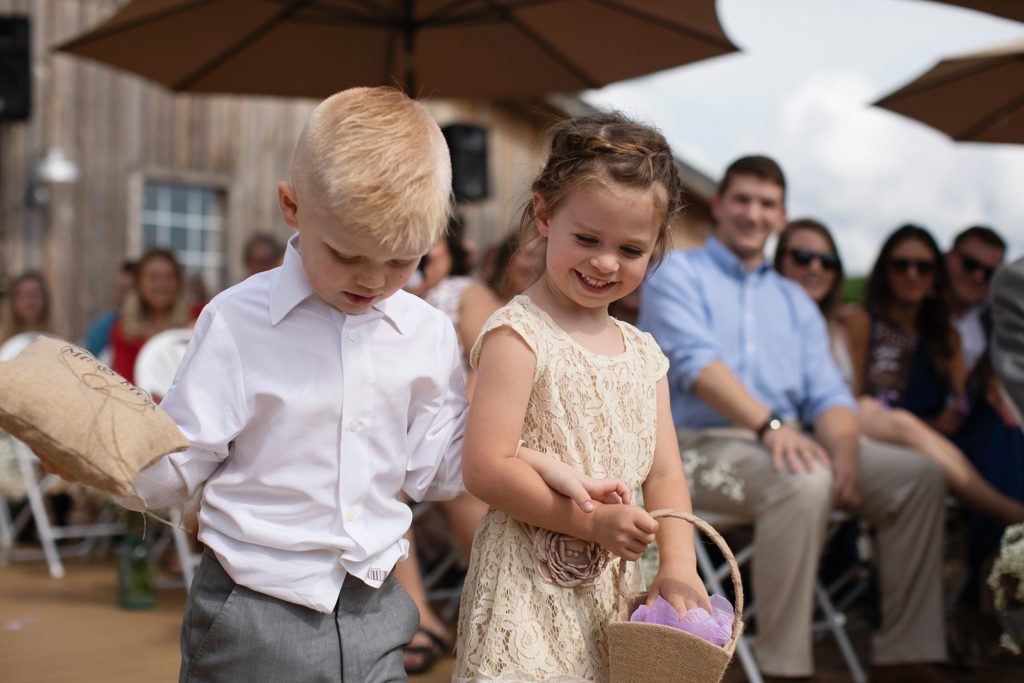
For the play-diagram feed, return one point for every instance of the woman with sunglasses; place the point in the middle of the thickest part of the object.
(806, 253)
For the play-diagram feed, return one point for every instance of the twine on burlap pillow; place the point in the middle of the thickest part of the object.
(82, 416)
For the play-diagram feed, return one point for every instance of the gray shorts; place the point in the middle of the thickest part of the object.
(231, 633)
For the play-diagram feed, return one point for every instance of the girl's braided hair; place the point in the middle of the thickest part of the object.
(608, 148)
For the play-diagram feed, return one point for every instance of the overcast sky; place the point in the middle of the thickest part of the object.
(800, 90)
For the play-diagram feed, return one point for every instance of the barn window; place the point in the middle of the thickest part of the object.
(189, 221)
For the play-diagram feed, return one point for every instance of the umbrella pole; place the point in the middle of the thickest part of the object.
(409, 42)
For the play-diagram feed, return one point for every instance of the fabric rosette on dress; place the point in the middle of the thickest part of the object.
(565, 560)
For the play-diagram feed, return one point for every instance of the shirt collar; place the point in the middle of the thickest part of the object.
(389, 309)
(293, 288)
(730, 262)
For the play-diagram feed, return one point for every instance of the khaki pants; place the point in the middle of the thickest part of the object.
(903, 498)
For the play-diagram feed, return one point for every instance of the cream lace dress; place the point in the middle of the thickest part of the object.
(598, 413)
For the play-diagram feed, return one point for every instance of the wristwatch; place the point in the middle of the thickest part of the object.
(773, 423)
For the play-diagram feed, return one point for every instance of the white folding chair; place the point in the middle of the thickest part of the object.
(833, 620)
(10, 349)
(158, 360)
(37, 486)
(155, 369)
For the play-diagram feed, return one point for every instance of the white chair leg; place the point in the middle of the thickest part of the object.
(6, 533)
(836, 623)
(713, 581)
(39, 514)
(748, 661)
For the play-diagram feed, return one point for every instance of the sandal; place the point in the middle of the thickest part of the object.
(427, 655)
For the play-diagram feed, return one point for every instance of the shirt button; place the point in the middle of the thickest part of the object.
(352, 336)
(355, 426)
(751, 348)
(350, 515)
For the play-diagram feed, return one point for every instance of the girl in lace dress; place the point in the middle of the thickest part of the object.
(555, 372)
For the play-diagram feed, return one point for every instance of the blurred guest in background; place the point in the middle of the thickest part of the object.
(515, 267)
(157, 302)
(976, 254)
(447, 285)
(750, 366)
(806, 253)
(905, 350)
(1008, 330)
(261, 252)
(28, 306)
(97, 336)
(990, 434)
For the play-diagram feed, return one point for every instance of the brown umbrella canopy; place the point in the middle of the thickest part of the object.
(977, 97)
(1010, 9)
(501, 49)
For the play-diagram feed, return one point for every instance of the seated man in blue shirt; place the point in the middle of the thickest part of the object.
(751, 371)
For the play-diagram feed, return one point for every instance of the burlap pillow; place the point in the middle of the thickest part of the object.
(84, 417)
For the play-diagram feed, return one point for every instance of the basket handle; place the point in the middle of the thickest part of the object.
(709, 531)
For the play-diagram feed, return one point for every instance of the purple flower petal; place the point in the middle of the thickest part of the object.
(715, 626)
(701, 624)
(662, 612)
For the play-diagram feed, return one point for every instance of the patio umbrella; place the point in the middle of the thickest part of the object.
(1009, 9)
(977, 97)
(496, 49)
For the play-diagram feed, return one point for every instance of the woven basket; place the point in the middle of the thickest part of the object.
(652, 653)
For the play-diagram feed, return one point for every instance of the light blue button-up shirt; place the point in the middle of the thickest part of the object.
(701, 306)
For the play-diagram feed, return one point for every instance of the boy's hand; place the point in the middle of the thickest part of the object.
(682, 588)
(582, 488)
(624, 530)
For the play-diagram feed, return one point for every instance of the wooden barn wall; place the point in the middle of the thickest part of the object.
(121, 130)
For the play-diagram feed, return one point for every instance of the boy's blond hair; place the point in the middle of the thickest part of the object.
(375, 159)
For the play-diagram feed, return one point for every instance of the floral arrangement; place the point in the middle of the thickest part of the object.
(1007, 582)
(721, 477)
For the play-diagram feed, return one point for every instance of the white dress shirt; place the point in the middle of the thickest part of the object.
(973, 340)
(305, 424)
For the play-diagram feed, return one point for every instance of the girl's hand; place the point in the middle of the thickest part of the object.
(581, 488)
(624, 530)
(683, 589)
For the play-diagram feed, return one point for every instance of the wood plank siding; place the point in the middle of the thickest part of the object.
(122, 131)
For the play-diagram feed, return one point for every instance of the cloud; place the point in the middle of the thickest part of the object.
(801, 90)
(864, 171)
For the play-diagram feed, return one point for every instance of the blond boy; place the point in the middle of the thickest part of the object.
(312, 395)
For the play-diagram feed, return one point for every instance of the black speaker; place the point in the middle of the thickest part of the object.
(15, 74)
(468, 146)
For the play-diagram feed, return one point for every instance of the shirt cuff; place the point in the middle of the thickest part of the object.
(836, 402)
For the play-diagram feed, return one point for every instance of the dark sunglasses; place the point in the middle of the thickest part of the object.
(804, 258)
(903, 266)
(972, 265)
